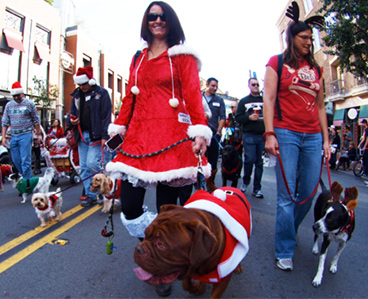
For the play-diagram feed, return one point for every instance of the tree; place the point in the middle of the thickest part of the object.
(347, 33)
(44, 95)
(49, 1)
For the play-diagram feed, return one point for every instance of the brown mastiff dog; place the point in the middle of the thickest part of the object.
(205, 240)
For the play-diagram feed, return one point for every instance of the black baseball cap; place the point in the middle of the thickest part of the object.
(364, 121)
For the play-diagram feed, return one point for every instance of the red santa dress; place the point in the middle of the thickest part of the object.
(233, 209)
(168, 108)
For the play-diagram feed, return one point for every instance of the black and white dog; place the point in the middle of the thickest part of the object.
(334, 219)
(231, 165)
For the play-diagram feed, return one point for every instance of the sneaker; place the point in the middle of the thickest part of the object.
(257, 193)
(243, 188)
(285, 264)
(88, 202)
(100, 199)
(83, 198)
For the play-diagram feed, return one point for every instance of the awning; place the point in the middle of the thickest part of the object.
(43, 51)
(13, 39)
(363, 113)
(339, 114)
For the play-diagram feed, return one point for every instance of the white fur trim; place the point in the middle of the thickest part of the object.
(16, 91)
(184, 49)
(220, 194)
(234, 228)
(92, 82)
(115, 129)
(200, 130)
(135, 90)
(80, 79)
(155, 177)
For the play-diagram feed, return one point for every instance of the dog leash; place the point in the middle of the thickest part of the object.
(110, 234)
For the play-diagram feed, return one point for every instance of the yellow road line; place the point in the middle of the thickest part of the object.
(47, 239)
(15, 242)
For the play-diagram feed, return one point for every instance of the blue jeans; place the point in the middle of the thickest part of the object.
(21, 153)
(253, 147)
(301, 156)
(90, 160)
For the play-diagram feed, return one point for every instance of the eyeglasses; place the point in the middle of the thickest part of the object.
(151, 17)
(232, 106)
(255, 84)
(306, 38)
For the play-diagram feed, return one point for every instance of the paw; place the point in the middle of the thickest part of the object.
(315, 250)
(197, 288)
(43, 224)
(104, 210)
(24, 200)
(333, 268)
(238, 269)
(317, 281)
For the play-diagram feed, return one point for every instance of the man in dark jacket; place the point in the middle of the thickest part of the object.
(250, 115)
(90, 113)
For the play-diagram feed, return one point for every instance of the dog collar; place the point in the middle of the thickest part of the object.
(231, 171)
(53, 199)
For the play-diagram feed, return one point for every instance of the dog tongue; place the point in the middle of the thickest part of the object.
(141, 274)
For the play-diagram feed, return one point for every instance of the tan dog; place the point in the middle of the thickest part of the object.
(47, 205)
(106, 186)
(205, 240)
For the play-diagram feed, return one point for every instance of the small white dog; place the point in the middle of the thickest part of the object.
(47, 205)
(106, 186)
(35, 184)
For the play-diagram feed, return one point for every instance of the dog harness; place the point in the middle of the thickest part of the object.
(53, 198)
(232, 208)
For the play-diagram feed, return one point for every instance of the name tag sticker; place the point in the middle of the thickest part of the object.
(184, 118)
(216, 104)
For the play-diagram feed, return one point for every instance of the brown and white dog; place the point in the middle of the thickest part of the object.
(47, 205)
(335, 220)
(106, 186)
(205, 240)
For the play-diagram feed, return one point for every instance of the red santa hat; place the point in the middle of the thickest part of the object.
(84, 75)
(16, 89)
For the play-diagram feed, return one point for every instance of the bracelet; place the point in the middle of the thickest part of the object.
(268, 133)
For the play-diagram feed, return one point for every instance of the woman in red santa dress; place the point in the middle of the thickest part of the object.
(167, 108)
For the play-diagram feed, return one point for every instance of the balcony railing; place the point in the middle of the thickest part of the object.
(336, 87)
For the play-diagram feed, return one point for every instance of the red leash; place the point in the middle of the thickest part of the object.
(315, 189)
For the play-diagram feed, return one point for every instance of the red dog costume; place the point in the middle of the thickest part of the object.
(232, 208)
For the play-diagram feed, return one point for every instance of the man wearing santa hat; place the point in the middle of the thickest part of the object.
(90, 113)
(22, 117)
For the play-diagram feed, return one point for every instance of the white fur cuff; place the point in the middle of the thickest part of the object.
(200, 130)
(116, 129)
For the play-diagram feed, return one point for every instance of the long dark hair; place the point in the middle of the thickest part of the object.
(291, 57)
(175, 34)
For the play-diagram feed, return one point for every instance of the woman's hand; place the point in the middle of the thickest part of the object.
(327, 150)
(199, 146)
(272, 146)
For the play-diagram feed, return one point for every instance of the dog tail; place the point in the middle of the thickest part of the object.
(323, 186)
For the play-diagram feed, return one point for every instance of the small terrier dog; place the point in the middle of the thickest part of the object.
(47, 205)
(335, 220)
(35, 184)
(106, 186)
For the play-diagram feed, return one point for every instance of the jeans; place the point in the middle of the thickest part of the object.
(301, 155)
(90, 160)
(253, 147)
(21, 153)
(213, 151)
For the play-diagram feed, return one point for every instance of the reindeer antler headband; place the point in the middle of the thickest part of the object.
(293, 13)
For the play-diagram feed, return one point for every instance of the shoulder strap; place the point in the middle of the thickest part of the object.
(279, 71)
(136, 55)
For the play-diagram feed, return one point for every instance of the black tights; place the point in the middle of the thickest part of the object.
(132, 198)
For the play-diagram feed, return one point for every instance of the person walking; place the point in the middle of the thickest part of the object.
(22, 117)
(162, 114)
(216, 123)
(298, 140)
(90, 114)
(335, 146)
(363, 145)
(249, 114)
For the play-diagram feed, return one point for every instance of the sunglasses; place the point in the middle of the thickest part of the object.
(255, 84)
(306, 38)
(232, 106)
(151, 17)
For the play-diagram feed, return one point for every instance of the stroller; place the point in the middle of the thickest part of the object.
(62, 158)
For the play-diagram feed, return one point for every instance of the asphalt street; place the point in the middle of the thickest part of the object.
(68, 259)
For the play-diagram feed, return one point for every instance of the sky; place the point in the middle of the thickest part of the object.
(231, 37)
